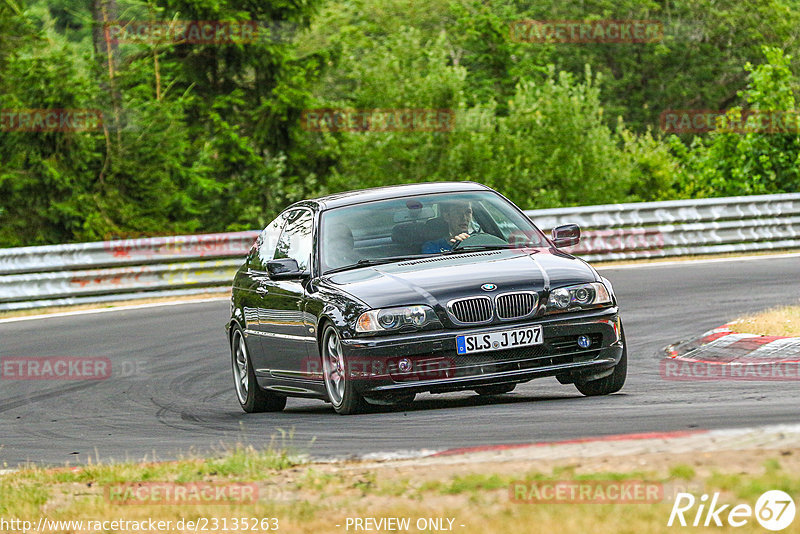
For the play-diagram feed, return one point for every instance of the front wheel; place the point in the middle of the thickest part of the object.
(343, 396)
(251, 397)
(611, 383)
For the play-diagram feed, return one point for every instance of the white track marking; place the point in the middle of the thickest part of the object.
(600, 267)
(116, 308)
(764, 437)
(717, 344)
(774, 348)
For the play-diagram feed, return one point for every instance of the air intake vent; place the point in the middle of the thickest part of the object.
(450, 257)
(516, 305)
(474, 310)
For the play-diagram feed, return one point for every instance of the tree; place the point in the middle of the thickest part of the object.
(749, 160)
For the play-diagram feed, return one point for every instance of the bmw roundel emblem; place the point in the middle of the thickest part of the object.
(488, 287)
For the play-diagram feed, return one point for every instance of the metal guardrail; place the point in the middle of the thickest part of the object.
(126, 251)
(680, 227)
(121, 269)
(57, 275)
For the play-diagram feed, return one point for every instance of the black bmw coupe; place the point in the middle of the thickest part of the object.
(370, 297)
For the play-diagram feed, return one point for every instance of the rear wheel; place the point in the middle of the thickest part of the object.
(343, 396)
(611, 383)
(497, 389)
(251, 397)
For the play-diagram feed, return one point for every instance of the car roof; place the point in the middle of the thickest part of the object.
(348, 198)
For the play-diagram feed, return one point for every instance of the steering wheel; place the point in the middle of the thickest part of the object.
(480, 239)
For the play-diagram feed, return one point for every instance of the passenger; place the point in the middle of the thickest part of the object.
(340, 246)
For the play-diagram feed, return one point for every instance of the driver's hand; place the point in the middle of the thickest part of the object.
(459, 237)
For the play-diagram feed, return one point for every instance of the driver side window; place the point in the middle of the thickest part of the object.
(265, 246)
(295, 241)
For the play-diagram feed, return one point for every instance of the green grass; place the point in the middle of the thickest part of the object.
(751, 486)
(475, 482)
(21, 496)
(240, 464)
(315, 480)
(682, 472)
(313, 498)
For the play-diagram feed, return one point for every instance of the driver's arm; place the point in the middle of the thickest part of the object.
(458, 238)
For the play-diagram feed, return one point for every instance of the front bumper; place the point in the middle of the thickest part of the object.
(375, 364)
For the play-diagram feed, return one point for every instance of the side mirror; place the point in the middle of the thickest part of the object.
(566, 235)
(284, 269)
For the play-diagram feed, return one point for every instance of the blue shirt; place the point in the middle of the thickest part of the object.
(440, 245)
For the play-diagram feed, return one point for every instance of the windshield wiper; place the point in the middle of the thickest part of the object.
(366, 262)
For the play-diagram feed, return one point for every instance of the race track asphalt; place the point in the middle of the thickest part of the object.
(179, 399)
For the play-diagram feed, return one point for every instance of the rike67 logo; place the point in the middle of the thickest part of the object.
(774, 510)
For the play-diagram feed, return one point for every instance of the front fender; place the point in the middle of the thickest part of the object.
(237, 318)
(334, 315)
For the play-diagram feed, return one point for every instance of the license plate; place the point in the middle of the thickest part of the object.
(505, 339)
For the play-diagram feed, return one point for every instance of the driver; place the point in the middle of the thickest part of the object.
(458, 216)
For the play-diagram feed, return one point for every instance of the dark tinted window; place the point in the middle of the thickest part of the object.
(295, 241)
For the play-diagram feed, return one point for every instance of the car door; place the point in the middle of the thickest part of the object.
(254, 285)
(286, 335)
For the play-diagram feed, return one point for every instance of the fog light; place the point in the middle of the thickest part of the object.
(404, 365)
(584, 342)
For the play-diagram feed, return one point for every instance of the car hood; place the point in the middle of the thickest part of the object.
(439, 279)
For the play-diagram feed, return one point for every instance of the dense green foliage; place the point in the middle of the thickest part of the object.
(739, 163)
(210, 137)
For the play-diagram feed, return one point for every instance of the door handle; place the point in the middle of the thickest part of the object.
(262, 290)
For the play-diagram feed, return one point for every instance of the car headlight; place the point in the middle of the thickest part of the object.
(581, 296)
(395, 319)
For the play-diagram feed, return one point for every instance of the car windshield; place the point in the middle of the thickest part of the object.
(408, 227)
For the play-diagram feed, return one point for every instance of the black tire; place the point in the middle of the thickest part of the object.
(496, 389)
(251, 397)
(611, 383)
(341, 392)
